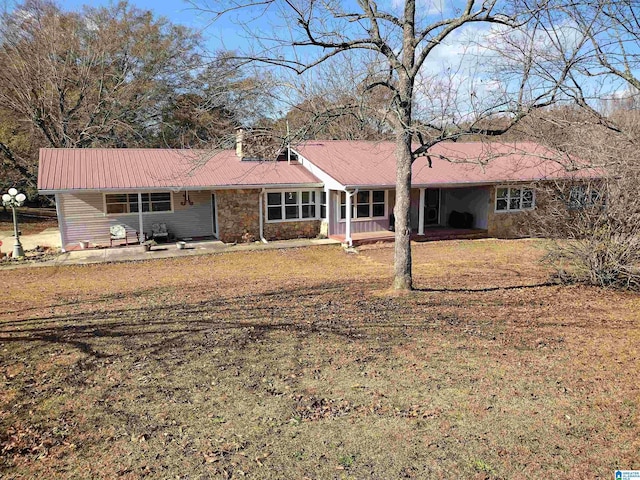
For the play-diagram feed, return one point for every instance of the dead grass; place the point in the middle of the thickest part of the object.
(295, 364)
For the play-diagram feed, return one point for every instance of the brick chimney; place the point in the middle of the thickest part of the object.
(239, 140)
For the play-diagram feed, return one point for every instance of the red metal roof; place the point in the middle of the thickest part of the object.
(134, 168)
(361, 163)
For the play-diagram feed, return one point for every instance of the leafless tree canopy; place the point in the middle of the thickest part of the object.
(596, 226)
(387, 50)
(112, 76)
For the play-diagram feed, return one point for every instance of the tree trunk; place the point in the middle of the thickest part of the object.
(402, 211)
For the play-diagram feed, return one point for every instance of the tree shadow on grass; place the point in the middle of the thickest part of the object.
(341, 308)
(487, 289)
(344, 309)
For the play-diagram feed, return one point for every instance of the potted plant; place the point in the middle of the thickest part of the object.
(148, 244)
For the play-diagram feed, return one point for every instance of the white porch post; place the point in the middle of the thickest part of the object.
(327, 209)
(61, 222)
(421, 213)
(141, 227)
(347, 226)
(261, 214)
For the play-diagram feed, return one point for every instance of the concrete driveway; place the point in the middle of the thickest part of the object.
(47, 238)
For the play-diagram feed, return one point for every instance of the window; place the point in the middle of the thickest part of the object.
(120, 203)
(274, 206)
(128, 202)
(323, 204)
(291, 205)
(581, 196)
(308, 204)
(513, 199)
(365, 204)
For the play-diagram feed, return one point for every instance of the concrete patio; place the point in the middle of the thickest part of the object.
(168, 250)
(126, 253)
(47, 238)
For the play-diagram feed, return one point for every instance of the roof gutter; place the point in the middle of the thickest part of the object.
(181, 189)
(464, 184)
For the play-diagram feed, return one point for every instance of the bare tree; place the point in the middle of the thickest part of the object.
(221, 97)
(99, 76)
(17, 149)
(596, 226)
(392, 45)
(113, 76)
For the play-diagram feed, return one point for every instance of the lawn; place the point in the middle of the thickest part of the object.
(301, 364)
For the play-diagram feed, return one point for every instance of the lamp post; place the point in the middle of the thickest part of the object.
(14, 199)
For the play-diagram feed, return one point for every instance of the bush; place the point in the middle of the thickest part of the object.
(595, 229)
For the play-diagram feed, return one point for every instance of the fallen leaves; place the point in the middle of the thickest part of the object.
(267, 366)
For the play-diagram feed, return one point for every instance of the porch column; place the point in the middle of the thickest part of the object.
(261, 214)
(141, 227)
(327, 209)
(61, 222)
(421, 213)
(347, 226)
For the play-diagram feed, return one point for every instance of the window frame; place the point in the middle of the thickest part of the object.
(299, 204)
(522, 189)
(324, 196)
(371, 203)
(128, 203)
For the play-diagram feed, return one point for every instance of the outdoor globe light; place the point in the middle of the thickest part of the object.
(14, 199)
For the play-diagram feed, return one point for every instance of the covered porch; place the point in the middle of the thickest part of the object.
(439, 213)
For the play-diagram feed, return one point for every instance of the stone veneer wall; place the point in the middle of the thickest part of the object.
(238, 218)
(513, 224)
(290, 230)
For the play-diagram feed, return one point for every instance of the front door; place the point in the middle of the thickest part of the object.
(432, 206)
(214, 210)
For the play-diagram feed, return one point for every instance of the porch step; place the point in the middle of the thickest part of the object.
(462, 234)
(429, 236)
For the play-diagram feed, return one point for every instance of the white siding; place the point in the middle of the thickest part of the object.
(337, 227)
(83, 218)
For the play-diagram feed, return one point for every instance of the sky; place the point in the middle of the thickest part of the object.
(177, 11)
(222, 34)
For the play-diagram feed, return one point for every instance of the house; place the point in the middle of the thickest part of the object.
(332, 188)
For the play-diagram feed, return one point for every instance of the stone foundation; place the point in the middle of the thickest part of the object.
(291, 230)
(507, 224)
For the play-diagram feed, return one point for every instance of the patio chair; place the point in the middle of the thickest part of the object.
(159, 232)
(118, 232)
